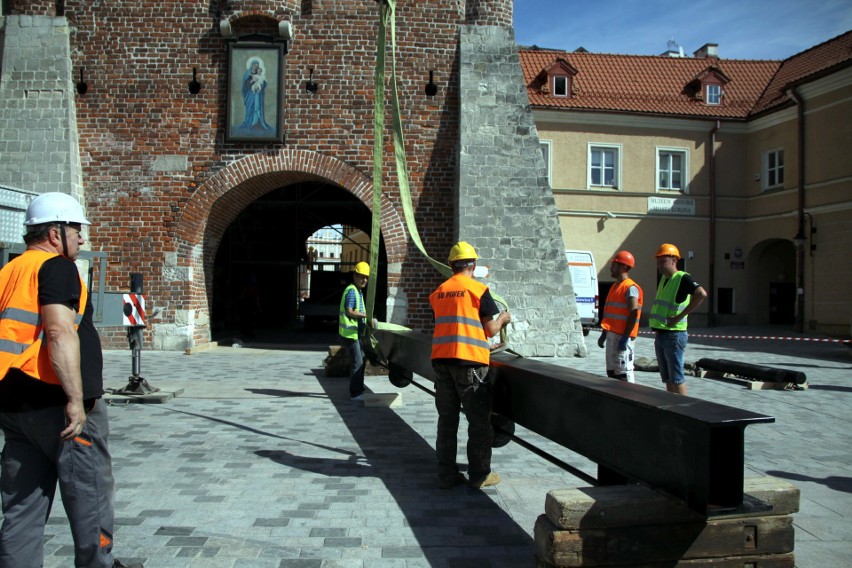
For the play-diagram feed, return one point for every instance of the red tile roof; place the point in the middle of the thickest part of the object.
(663, 85)
(808, 65)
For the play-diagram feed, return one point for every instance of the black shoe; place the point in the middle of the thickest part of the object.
(452, 482)
(120, 564)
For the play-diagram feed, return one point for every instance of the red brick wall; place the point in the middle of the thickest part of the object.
(138, 58)
(489, 12)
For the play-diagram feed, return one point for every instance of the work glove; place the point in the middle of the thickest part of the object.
(622, 343)
(602, 339)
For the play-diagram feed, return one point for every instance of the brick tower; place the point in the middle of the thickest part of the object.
(179, 191)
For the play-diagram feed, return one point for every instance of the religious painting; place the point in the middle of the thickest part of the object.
(254, 92)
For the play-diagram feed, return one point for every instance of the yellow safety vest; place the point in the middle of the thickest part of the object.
(347, 327)
(666, 306)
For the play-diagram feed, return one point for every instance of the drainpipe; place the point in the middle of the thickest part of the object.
(799, 239)
(711, 306)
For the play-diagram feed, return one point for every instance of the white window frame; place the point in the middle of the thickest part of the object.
(563, 92)
(713, 94)
(770, 172)
(684, 174)
(547, 153)
(616, 178)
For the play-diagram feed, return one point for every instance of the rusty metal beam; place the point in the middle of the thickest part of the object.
(690, 448)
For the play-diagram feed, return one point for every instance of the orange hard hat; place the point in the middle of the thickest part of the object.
(624, 258)
(668, 250)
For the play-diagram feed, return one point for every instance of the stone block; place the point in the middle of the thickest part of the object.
(635, 526)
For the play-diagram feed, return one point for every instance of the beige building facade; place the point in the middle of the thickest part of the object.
(754, 189)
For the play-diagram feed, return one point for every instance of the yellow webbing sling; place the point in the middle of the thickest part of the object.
(387, 21)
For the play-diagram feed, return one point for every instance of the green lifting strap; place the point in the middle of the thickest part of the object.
(387, 21)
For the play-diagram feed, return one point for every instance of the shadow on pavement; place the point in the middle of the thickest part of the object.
(456, 527)
(833, 482)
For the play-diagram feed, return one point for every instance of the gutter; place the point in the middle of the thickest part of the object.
(799, 239)
(711, 307)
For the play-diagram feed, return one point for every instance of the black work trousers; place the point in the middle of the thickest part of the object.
(466, 389)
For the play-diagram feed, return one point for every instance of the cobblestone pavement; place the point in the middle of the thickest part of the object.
(261, 461)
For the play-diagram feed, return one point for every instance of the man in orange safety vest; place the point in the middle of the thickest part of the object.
(620, 321)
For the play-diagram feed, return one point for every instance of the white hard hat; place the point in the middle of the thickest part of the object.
(55, 207)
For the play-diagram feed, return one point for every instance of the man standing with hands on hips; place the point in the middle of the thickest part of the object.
(464, 320)
(677, 296)
(51, 382)
(620, 321)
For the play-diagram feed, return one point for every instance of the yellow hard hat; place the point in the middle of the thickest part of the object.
(462, 251)
(362, 268)
(668, 250)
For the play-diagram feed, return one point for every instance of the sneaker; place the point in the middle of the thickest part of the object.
(360, 397)
(450, 483)
(120, 564)
(492, 478)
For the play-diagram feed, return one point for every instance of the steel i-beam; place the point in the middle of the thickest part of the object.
(689, 448)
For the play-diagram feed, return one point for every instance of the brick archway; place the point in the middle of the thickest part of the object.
(220, 199)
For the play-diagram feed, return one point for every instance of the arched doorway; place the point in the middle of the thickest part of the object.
(266, 277)
(213, 207)
(772, 283)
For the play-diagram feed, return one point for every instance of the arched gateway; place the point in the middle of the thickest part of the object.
(220, 199)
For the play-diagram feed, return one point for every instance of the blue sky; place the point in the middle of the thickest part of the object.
(744, 29)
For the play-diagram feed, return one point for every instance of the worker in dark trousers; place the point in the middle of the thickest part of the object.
(352, 326)
(53, 418)
(464, 320)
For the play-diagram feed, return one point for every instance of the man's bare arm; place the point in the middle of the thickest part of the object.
(63, 347)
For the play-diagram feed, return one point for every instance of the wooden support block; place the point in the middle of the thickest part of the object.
(613, 506)
(337, 363)
(632, 525)
(782, 495)
(763, 561)
(625, 505)
(649, 544)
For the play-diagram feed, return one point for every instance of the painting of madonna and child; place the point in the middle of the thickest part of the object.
(254, 93)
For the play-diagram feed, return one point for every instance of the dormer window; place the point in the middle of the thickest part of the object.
(560, 78)
(560, 86)
(708, 86)
(713, 94)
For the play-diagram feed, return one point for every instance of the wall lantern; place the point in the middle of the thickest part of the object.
(82, 86)
(194, 85)
(431, 87)
(310, 85)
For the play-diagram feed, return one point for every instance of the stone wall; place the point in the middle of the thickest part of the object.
(37, 111)
(505, 206)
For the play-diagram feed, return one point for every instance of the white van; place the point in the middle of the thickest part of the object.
(584, 276)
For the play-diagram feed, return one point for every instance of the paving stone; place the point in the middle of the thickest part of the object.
(262, 461)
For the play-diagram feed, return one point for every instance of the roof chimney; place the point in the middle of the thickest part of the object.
(707, 50)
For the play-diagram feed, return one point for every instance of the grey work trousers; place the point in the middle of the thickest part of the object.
(33, 460)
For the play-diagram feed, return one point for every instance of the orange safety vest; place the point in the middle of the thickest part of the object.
(21, 328)
(616, 309)
(458, 331)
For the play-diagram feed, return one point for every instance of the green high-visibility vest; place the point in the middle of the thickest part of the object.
(348, 327)
(666, 306)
